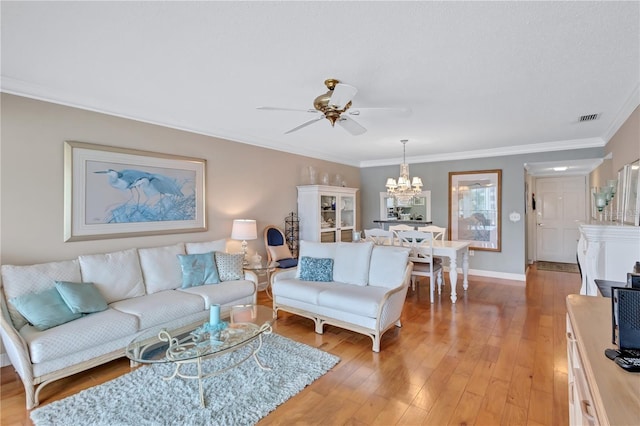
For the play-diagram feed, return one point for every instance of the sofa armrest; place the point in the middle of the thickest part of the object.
(393, 301)
(283, 274)
(15, 345)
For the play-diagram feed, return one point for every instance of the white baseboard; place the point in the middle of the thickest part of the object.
(4, 360)
(493, 274)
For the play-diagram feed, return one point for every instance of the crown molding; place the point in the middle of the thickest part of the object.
(496, 152)
(626, 110)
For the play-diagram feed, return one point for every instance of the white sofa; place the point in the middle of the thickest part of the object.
(142, 290)
(364, 292)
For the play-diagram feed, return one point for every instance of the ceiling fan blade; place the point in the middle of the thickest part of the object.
(305, 124)
(351, 126)
(342, 94)
(400, 112)
(270, 108)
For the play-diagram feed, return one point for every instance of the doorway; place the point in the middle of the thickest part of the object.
(560, 206)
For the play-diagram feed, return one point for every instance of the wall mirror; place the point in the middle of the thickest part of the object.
(631, 201)
(474, 208)
(418, 208)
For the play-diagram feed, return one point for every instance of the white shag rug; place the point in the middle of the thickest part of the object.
(241, 396)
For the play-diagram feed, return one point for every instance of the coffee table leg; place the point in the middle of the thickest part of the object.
(255, 354)
(200, 383)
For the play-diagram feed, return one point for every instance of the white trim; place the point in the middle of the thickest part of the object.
(4, 360)
(493, 274)
(626, 110)
(495, 152)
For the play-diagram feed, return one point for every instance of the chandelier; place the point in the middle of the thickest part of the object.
(405, 188)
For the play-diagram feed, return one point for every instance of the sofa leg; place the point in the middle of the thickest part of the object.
(319, 325)
(31, 396)
(398, 323)
(376, 343)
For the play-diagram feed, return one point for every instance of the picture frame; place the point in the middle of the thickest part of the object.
(112, 192)
(475, 208)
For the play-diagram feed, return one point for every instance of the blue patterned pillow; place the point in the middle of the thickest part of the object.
(316, 269)
(230, 266)
(198, 269)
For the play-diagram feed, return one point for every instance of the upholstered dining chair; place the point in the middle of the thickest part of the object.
(421, 244)
(379, 236)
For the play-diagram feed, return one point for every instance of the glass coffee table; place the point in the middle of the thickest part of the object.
(247, 324)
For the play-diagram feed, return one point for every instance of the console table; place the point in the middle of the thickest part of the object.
(600, 392)
(606, 251)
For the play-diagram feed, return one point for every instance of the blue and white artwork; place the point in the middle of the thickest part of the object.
(125, 193)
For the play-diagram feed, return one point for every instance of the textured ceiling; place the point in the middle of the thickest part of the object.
(480, 78)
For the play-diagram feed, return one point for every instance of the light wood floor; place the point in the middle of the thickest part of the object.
(498, 356)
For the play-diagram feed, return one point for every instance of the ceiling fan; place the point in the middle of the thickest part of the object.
(332, 105)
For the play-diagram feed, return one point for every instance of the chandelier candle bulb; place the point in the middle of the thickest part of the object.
(214, 314)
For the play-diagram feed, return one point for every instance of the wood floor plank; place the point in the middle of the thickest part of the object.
(498, 356)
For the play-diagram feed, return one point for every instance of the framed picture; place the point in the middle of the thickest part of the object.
(475, 208)
(114, 192)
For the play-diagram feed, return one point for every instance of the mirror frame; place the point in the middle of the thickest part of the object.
(424, 194)
(489, 238)
(631, 203)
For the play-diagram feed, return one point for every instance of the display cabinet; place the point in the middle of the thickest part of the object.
(327, 213)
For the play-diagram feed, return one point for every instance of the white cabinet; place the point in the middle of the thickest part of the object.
(327, 213)
(606, 251)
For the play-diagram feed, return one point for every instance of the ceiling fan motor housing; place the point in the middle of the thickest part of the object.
(321, 103)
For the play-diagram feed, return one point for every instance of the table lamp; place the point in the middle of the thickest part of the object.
(244, 229)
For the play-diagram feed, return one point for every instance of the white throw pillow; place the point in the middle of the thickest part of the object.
(20, 280)
(206, 247)
(387, 266)
(117, 275)
(279, 252)
(318, 250)
(161, 267)
(351, 264)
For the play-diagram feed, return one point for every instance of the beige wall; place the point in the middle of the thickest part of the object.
(624, 148)
(243, 181)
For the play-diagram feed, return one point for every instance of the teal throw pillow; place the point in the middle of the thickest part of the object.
(198, 269)
(230, 266)
(81, 298)
(316, 269)
(44, 310)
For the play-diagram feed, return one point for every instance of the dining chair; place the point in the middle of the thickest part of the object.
(439, 234)
(421, 245)
(396, 228)
(378, 236)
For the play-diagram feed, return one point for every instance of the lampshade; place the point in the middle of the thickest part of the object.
(244, 229)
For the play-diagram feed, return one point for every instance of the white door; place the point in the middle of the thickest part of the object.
(560, 205)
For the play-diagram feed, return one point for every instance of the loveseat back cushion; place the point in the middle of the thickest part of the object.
(117, 275)
(20, 280)
(352, 263)
(387, 266)
(206, 247)
(161, 268)
(316, 250)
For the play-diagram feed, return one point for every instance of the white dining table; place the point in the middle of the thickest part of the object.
(453, 250)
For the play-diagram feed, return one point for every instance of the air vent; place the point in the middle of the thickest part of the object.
(589, 117)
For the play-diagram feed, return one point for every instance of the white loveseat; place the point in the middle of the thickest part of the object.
(142, 290)
(364, 291)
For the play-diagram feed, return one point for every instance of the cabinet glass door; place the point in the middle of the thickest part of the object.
(347, 209)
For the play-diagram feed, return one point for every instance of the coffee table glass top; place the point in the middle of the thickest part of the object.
(246, 323)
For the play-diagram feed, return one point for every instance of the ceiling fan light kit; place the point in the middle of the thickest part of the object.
(332, 104)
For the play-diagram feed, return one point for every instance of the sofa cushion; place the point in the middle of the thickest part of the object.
(223, 293)
(356, 299)
(81, 298)
(78, 335)
(387, 266)
(206, 247)
(117, 275)
(198, 269)
(158, 308)
(45, 309)
(19, 280)
(304, 291)
(352, 263)
(316, 269)
(318, 250)
(229, 266)
(160, 267)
